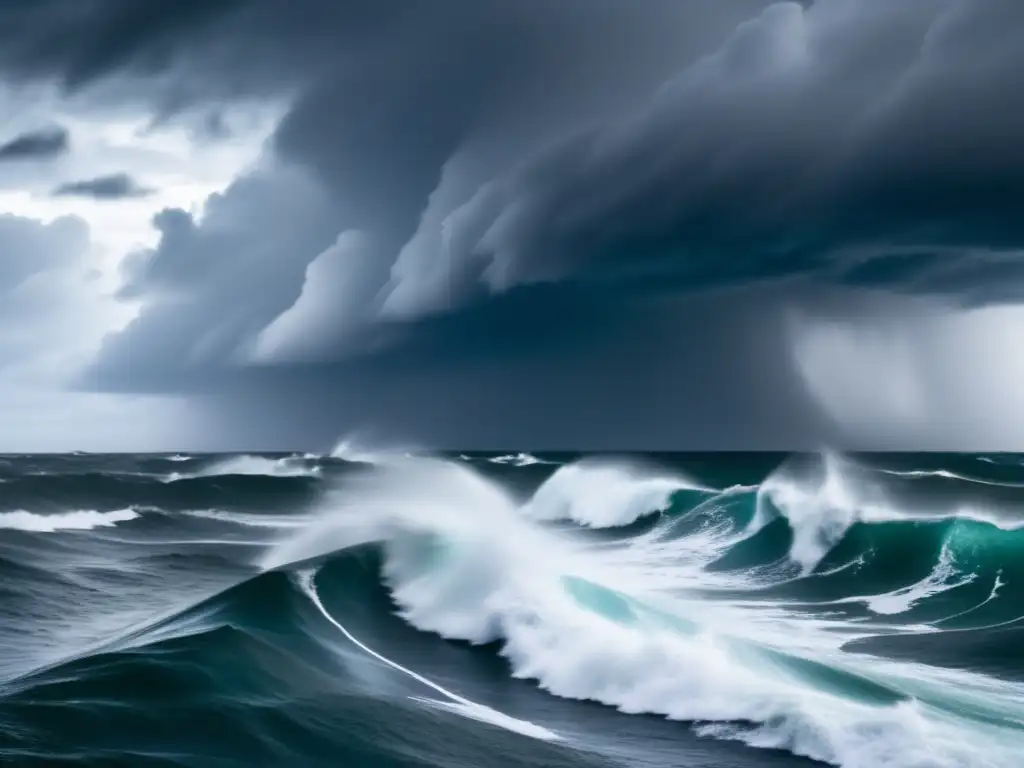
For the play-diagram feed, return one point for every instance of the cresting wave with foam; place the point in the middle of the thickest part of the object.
(466, 562)
(603, 494)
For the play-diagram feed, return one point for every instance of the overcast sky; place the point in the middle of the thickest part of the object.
(562, 224)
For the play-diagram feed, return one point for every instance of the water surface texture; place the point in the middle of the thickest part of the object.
(740, 610)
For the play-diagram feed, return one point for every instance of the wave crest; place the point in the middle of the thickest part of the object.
(604, 495)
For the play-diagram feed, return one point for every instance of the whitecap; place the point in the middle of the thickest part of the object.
(81, 520)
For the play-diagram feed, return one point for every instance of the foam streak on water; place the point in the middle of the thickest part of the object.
(453, 701)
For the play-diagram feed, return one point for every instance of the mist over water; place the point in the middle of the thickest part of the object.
(375, 607)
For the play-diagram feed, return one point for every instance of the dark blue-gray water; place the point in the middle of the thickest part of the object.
(729, 610)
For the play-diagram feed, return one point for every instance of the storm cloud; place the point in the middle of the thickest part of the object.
(115, 186)
(466, 204)
(41, 144)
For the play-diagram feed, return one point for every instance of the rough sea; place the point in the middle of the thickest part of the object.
(476, 610)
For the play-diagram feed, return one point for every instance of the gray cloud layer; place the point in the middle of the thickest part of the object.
(493, 199)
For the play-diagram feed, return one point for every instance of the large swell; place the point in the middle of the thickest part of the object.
(508, 609)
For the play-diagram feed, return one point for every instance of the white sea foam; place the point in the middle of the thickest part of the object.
(81, 520)
(464, 561)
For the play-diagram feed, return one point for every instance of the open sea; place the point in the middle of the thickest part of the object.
(388, 610)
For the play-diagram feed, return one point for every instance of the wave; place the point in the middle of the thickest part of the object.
(249, 520)
(600, 494)
(463, 561)
(948, 475)
(82, 520)
(821, 505)
(357, 449)
(518, 460)
(289, 466)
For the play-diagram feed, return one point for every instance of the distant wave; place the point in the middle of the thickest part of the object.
(518, 460)
(358, 450)
(83, 520)
(249, 520)
(945, 473)
(290, 466)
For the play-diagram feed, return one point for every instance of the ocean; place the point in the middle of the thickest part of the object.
(474, 610)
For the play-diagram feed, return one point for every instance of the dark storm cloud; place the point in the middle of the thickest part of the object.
(41, 144)
(115, 186)
(80, 41)
(812, 133)
(499, 195)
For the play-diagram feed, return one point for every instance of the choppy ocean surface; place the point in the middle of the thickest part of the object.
(481, 610)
